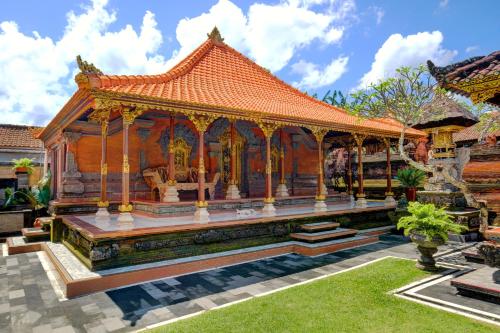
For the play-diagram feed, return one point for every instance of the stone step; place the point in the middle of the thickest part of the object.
(319, 226)
(323, 235)
(332, 246)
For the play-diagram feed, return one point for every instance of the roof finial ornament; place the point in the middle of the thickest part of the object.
(215, 35)
(86, 67)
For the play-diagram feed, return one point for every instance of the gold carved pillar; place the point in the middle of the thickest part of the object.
(171, 194)
(361, 202)
(320, 205)
(268, 130)
(349, 171)
(128, 116)
(282, 190)
(389, 195)
(233, 193)
(102, 117)
(201, 122)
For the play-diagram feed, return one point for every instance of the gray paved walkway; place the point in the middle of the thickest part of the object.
(28, 302)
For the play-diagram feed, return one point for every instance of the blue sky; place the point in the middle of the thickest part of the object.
(315, 45)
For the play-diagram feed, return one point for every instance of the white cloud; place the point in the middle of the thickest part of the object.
(37, 72)
(270, 34)
(379, 14)
(443, 3)
(314, 77)
(411, 50)
(472, 48)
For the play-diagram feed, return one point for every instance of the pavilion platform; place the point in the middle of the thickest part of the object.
(92, 255)
(103, 244)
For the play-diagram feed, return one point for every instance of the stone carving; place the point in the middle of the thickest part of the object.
(161, 243)
(71, 176)
(421, 154)
(181, 131)
(104, 252)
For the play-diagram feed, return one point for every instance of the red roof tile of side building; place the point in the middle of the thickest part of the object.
(19, 137)
(470, 133)
(218, 77)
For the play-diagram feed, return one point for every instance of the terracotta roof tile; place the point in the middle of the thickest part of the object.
(18, 136)
(217, 75)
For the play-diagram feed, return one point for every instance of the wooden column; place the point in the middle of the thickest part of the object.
(104, 163)
(233, 154)
(233, 193)
(201, 123)
(389, 195)
(282, 190)
(171, 154)
(269, 171)
(282, 157)
(171, 194)
(60, 168)
(201, 170)
(268, 130)
(361, 193)
(320, 204)
(349, 170)
(128, 117)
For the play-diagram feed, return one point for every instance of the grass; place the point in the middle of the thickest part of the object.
(355, 301)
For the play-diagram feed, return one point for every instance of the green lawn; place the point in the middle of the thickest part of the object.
(355, 301)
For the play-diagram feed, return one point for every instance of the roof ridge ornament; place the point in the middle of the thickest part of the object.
(215, 35)
(87, 67)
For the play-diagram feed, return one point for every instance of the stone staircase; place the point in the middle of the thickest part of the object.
(324, 237)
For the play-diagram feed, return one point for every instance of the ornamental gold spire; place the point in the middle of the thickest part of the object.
(215, 35)
(87, 67)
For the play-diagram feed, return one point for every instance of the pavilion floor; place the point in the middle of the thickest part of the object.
(146, 224)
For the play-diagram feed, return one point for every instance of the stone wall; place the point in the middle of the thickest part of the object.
(14, 221)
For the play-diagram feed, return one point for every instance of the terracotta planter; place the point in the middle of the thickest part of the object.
(411, 193)
(427, 249)
(21, 170)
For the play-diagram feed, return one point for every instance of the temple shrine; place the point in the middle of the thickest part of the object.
(214, 162)
(215, 124)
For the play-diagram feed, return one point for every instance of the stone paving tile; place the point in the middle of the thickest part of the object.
(28, 302)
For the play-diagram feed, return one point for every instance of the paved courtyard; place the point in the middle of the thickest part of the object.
(29, 303)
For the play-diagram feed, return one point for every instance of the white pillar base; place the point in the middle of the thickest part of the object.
(233, 193)
(324, 190)
(320, 206)
(201, 215)
(102, 212)
(389, 201)
(125, 218)
(282, 191)
(361, 202)
(268, 209)
(171, 194)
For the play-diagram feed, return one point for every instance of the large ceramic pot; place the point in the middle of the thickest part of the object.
(411, 193)
(427, 249)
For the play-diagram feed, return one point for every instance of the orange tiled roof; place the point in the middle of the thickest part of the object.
(470, 133)
(217, 75)
(18, 136)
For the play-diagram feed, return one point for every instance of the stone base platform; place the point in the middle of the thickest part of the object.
(110, 244)
(82, 206)
(483, 283)
(79, 280)
(167, 208)
(18, 244)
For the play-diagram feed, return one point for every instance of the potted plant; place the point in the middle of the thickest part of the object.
(410, 179)
(428, 227)
(23, 165)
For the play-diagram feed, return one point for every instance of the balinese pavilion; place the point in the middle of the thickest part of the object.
(152, 147)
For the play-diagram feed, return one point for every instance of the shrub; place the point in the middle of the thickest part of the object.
(428, 220)
(410, 177)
